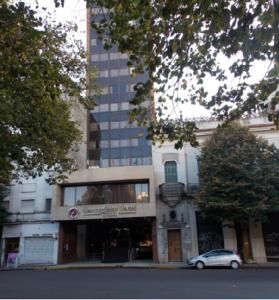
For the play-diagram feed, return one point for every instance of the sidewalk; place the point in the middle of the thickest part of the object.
(131, 265)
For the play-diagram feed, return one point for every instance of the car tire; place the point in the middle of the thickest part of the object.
(199, 265)
(234, 265)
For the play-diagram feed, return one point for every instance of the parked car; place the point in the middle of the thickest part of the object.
(216, 258)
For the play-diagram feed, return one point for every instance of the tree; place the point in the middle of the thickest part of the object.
(3, 212)
(38, 67)
(181, 44)
(240, 179)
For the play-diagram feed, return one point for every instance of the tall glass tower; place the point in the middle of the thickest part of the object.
(112, 141)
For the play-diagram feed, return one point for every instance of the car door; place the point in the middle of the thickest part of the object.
(211, 258)
(225, 257)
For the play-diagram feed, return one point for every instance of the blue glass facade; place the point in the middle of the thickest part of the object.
(112, 141)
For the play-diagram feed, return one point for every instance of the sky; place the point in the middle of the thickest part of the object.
(75, 11)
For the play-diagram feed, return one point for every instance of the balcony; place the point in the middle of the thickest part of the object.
(172, 193)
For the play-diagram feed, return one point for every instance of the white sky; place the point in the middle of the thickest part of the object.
(75, 11)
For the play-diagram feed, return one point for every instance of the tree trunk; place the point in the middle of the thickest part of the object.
(243, 241)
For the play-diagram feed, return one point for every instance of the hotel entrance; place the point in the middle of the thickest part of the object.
(107, 240)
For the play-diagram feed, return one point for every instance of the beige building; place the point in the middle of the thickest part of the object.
(106, 214)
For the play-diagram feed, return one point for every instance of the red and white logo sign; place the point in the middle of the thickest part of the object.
(73, 213)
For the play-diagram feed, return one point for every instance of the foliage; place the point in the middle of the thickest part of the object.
(3, 212)
(239, 174)
(39, 72)
(181, 44)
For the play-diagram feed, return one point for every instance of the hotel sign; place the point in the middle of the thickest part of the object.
(104, 211)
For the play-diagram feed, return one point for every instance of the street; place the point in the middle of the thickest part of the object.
(140, 283)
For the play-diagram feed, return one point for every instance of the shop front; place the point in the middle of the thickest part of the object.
(30, 243)
(107, 220)
(110, 240)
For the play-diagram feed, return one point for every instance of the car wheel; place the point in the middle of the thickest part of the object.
(234, 264)
(199, 265)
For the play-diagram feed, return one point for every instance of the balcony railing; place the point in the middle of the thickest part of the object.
(172, 193)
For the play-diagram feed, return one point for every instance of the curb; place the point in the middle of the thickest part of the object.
(115, 267)
(119, 266)
(80, 267)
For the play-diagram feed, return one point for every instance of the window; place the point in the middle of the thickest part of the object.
(134, 142)
(136, 161)
(104, 90)
(105, 163)
(114, 143)
(27, 206)
(114, 125)
(123, 72)
(146, 161)
(104, 144)
(124, 124)
(69, 196)
(141, 190)
(104, 107)
(80, 197)
(125, 161)
(114, 107)
(124, 143)
(212, 253)
(95, 57)
(114, 73)
(104, 125)
(114, 162)
(93, 42)
(103, 56)
(114, 55)
(124, 106)
(170, 171)
(48, 205)
(103, 73)
(107, 193)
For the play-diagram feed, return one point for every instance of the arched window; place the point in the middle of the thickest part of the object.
(170, 171)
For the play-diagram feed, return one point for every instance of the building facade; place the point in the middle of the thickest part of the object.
(181, 230)
(106, 211)
(28, 230)
(113, 142)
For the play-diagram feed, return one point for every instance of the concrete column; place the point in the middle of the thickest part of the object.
(186, 243)
(257, 242)
(229, 234)
(162, 244)
(194, 233)
(3, 244)
(154, 241)
(81, 242)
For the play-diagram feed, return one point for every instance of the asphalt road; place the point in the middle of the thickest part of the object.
(140, 283)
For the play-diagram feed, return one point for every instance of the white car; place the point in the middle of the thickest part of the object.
(216, 258)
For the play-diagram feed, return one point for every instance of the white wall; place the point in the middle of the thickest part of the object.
(37, 189)
(30, 230)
